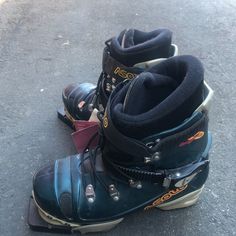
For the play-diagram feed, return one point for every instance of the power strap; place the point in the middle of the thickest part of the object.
(126, 144)
(166, 176)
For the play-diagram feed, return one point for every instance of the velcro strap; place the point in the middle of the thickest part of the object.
(123, 143)
(116, 69)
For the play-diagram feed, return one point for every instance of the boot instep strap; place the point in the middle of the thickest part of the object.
(126, 144)
(165, 177)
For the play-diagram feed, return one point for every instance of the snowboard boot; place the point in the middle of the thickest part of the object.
(124, 57)
(153, 153)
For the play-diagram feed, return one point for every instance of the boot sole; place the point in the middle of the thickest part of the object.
(182, 202)
(83, 229)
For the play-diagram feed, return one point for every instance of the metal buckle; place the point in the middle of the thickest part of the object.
(135, 184)
(114, 193)
(89, 193)
(154, 157)
(153, 143)
(166, 182)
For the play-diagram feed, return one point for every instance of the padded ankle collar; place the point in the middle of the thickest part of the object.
(141, 46)
(187, 71)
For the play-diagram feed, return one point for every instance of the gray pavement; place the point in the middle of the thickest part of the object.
(44, 45)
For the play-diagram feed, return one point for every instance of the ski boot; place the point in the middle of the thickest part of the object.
(124, 57)
(153, 153)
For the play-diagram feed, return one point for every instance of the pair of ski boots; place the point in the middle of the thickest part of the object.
(149, 148)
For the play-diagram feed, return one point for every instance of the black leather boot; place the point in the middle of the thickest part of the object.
(124, 57)
(153, 153)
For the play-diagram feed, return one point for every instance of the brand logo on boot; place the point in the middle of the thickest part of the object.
(105, 120)
(123, 73)
(166, 197)
(196, 136)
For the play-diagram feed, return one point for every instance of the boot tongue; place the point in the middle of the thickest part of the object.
(126, 38)
(147, 91)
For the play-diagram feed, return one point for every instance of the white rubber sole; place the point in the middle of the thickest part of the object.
(182, 202)
(83, 229)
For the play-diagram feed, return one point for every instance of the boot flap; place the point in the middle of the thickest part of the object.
(120, 141)
(86, 137)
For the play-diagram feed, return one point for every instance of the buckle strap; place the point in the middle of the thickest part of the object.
(142, 175)
(178, 176)
(117, 70)
(123, 143)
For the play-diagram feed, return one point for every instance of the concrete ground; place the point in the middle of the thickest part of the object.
(44, 45)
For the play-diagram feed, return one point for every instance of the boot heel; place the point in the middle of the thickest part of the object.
(185, 201)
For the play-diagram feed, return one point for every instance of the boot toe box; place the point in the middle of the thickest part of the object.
(72, 90)
(44, 193)
(76, 96)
